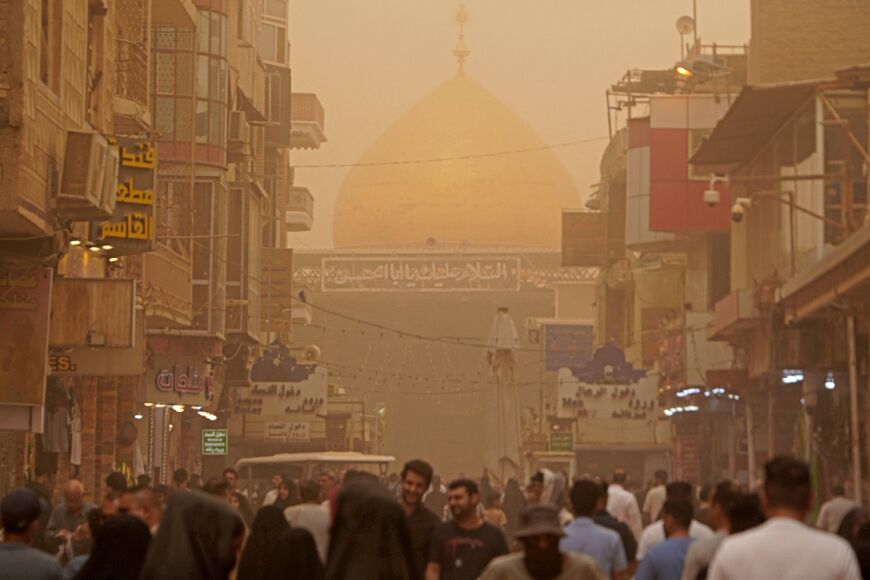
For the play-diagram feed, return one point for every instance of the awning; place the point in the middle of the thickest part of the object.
(754, 118)
(844, 274)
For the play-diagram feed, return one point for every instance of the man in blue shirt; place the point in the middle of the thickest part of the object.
(665, 561)
(584, 535)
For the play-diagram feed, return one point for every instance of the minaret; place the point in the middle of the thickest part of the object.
(461, 52)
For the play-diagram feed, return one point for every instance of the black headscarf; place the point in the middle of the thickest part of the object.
(295, 557)
(119, 550)
(268, 526)
(370, 538)
(197, 540)
(512, 506)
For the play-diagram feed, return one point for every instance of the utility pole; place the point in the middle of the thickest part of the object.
(854, 426)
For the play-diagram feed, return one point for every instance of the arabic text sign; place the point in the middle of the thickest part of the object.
(214, 442)
(562, 441)
(435, 273)
(306, 397)
(131, 229)
(25, 297)
(177, 380)
(568, 345)
(288, 432)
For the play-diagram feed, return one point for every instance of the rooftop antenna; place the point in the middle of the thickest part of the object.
(685, 26)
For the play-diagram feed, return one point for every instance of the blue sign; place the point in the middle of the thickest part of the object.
(568, 345)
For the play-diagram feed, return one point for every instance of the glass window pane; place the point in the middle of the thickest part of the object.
(267, 42)
(202, 76)
(276, 8)
(213, 127)
(202, 32)
(223, 31)
(213, 79)
(184, 120)
(222, 81)
(281, 45)
(222, 125)
(215, 34)
(201, 121)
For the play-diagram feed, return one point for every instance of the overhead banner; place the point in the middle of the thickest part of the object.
(25, 305)
(436, 273)
(131, 229)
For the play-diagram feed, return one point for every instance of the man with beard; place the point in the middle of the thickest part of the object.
(461, 548)
(541, 559)
(416, 477)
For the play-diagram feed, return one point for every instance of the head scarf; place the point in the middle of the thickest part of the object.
(295, 557)
(370, 538)
(268, 526)
(197, 540)
(119, 550)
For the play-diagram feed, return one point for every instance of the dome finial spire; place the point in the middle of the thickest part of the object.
(461, 52)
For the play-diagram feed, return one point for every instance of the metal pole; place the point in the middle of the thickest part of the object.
(770, 425)
(750, 443)
(855, 436)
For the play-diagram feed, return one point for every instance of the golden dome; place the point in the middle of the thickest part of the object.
(512, 200)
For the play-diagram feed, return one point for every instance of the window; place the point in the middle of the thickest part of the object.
(50, 27)
(273, 32)
(277, 9)
(211, 79)
(173, 83)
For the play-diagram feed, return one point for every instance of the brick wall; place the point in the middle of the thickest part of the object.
(807, 39)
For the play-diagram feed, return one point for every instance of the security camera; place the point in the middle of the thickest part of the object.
(711, 197)
(738, 210)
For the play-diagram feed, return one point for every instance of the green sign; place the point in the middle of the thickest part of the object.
(562, 441)
(214, 441)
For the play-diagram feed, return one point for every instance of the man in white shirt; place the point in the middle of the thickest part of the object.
(622, 504)
(701, 552)
(654, 534)
(272, 494)
(311, 515)
(785, 547)
(655, 498)
(835, 509)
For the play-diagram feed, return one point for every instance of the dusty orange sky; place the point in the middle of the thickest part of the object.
(549, 60)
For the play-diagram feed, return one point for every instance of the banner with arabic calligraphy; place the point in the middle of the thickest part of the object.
(430, 273)
(132, 228)
(25, 297)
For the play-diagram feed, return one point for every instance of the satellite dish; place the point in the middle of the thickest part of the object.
(311, 353)
(685, 25)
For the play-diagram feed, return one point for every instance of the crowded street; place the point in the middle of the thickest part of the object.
(394, 290)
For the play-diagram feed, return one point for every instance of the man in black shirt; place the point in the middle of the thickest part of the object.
(461, 548)
(416, 477)
(603, 518)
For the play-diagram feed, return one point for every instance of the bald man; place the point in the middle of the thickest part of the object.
(143, 503)
(69, 516)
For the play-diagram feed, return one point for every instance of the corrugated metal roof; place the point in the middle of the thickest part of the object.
(756, 115)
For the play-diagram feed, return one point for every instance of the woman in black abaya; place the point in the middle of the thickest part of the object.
(198, 539)
(120, 547)
(295, 556)
(268, 526)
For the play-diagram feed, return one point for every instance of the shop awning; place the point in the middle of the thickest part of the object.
(754, 118)
(842, 275)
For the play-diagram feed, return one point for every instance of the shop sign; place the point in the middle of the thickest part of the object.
(562, 441)
(215, 441)
(305, 397)
(568, 345)
(177, 380)
(131, 229)
(297, 432)
(25, 305)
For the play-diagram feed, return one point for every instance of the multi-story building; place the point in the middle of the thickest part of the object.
(146, 196)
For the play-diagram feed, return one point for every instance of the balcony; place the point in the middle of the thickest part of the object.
(735, 315)
(177, 13)
(167, 289)
(299, 216)
(130, 105)
(306, 121)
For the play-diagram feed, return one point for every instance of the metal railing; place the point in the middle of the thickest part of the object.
(131, 71)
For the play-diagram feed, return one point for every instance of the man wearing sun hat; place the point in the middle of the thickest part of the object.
(19, 512)
(539, 533)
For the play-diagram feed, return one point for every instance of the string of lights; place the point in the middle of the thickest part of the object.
(453, 157)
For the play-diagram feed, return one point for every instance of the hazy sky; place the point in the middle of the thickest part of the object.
(549, 60)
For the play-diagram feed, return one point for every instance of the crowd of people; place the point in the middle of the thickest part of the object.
(411, 526)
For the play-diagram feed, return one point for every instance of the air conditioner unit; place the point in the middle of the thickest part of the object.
(238, 130)
(83, 177)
